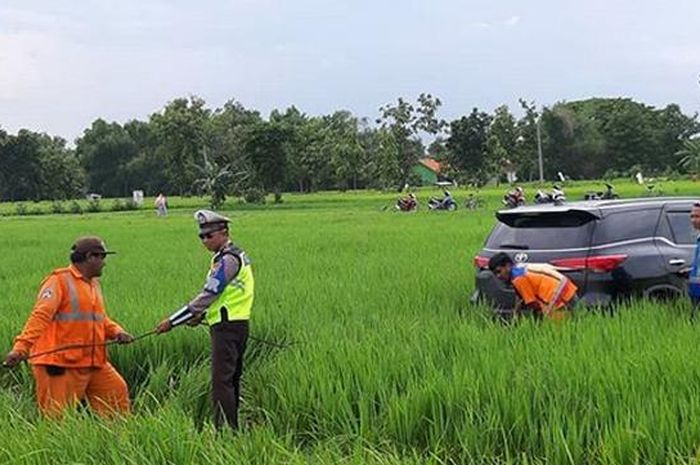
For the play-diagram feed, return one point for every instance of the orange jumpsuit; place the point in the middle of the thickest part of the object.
(542, 285)
(70, 310)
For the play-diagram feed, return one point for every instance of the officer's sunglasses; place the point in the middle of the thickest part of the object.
(208, 235)
(99, 254)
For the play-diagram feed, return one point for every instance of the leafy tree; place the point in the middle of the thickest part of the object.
(525, 152)
(181, 130)
(36, 166)
(468, 150)
(20, 163)
(343, 146)
(3, 181)
(672, 129)
(438, 149)
(627, 127)
(572, 143)
(229, 128)
(502, 141)
(267, 149)
(62, 177)
(104, 151)
(308, 161)
(387, 160)
(406, 121)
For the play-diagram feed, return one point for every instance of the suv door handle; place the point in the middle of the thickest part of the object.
(676, 261)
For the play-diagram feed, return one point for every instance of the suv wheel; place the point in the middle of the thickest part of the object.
(664, 292)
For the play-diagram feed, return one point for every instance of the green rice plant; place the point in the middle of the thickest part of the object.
(365, 349)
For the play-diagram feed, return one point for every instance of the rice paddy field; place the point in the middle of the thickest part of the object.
(366, 349)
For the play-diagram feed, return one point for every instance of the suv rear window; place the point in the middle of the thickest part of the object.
(626, 225)
(682, 229)
(541, 231)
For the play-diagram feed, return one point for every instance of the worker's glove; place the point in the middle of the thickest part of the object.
(195, 321)
(14, 358)
(164, 326)
(124, 338)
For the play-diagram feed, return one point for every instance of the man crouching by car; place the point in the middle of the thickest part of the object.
(540, 286)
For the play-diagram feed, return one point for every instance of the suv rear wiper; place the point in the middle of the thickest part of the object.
(513, 246)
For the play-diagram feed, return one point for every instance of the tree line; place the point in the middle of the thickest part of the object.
(188, 148)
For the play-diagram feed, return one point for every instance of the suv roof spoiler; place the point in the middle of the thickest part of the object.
(510, 216)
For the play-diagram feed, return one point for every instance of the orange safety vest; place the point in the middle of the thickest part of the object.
(539, 284)
(69, 311)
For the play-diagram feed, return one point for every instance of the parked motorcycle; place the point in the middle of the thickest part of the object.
(608, 194)
(446, 203)
(474, 202)
(407, 204)
(514, 198)
(556, 196)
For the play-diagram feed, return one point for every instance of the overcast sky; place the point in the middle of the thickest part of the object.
(64, 63)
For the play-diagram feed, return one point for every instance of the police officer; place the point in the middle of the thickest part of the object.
(224, 304)
(694, 271)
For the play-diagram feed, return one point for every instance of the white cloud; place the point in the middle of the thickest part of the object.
(681, 55)
(23, 58)
(512, 21)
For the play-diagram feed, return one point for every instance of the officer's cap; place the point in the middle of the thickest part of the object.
(90, 244)
(210, 221)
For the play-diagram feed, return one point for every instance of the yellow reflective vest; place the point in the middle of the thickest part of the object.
(236, 300)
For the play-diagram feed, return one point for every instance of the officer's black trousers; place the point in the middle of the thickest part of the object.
(228, 342)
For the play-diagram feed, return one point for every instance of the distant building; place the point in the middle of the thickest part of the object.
(429, 169)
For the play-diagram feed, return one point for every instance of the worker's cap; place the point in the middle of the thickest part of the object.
(210, 221)
(90, 244)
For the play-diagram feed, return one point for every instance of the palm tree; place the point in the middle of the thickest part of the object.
(216, 180)
(691, 156)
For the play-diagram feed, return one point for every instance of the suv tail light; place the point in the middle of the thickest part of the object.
(481, 262)
(595, 263)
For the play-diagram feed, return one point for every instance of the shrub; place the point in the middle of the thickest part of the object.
(76, 208)
(131, 205)
(254, 195)
(57, 207)
(118, 205)
(94, 206)
(21, 209)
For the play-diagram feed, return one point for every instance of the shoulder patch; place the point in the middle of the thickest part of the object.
(47, 293)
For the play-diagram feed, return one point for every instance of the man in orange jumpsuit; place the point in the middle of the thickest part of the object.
(539, 285)
(70, 312)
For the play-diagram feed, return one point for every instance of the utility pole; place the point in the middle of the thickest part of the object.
(539, 150)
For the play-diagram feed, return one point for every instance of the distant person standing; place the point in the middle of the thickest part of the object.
(694, 278)
(161, 204)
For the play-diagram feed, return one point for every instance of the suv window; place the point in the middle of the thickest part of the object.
(626, 225)
(545, 231)
(681, 227)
